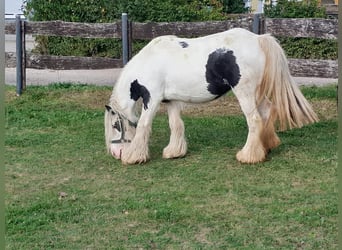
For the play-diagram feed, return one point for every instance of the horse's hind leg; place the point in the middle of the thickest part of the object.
(260, 119)
(177, 146)
(268, 113)
(254, 150)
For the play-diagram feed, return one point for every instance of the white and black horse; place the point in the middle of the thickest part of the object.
(178, 70)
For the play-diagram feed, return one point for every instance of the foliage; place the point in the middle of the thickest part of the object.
(233, 6)
(294, 9)
(172, 11)
(305, 48)
(72, 11)
(75, 46)
(309, 48)
(64, 192)
(109, 11)
(138, 10)
(166, 10)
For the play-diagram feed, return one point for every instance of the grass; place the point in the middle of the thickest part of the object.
(64, 192)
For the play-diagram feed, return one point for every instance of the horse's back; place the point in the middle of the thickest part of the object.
(178, 50)
(228, 38)
(179, 66)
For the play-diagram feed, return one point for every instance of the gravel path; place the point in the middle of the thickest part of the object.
(106, 77)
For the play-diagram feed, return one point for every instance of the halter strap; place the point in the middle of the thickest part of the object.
(130, 123)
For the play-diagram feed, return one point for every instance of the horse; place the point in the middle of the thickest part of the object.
(176, 71)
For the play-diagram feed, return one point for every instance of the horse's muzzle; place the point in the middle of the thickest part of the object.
(116, 150)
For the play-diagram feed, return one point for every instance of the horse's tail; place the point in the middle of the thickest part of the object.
(292, 109)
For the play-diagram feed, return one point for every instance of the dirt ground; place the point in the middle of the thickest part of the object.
(223, 106)
(228, 105)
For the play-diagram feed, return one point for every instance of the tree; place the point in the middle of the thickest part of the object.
(233, 6)
(294, 9)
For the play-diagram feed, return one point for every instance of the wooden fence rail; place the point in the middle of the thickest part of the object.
(302, 27)
(189, 29)
(289, 27)
(69, 29)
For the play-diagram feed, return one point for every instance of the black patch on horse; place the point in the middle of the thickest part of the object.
(138, 91)
(184, 44)
(222, 72)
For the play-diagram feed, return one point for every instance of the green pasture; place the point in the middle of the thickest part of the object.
(64, 192)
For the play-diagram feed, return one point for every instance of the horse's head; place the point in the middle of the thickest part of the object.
(118, 131)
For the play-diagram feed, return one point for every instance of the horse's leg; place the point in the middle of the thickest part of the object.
(268, 113)
(137, 151)
(253, 150)
(177, 146)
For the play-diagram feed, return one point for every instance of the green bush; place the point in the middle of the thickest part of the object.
(160, 11)
(109, 11)
(67, 46)
(309, 48)
(138, 10)
(294, 9)
(173, 10)
(233, 6)
(72, 11)
(305, 48)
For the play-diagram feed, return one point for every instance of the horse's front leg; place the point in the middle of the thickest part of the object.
(177, 146)
(137, 151)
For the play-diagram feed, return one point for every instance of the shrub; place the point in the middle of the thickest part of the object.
(309, 48)
(294, 9)
(109, 11)
(306, 48)
(164, 10)
(233, 6)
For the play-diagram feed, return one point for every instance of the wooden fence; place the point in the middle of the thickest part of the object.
(319, 28)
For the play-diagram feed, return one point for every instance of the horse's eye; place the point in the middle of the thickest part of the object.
(117, 126)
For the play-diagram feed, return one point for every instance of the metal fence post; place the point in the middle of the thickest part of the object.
(256, 23)
(130, 39)
(19, 54)
(23, 48)
(125, 46)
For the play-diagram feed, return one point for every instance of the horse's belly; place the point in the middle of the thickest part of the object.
(188, 91)
(190, 99)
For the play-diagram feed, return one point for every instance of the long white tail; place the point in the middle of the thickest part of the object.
(292, 109)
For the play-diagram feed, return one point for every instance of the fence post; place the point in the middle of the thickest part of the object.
(256, 23)
(19, 54)
(125, 46)
(23, 48)
(262, 26)
(130, 39)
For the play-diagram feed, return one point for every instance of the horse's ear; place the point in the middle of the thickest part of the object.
(109, 108)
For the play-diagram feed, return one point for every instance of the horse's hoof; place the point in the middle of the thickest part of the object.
(250, 157)
(171, 155)
(178, 151)
(133, 161)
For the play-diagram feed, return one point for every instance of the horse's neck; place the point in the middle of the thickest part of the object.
(115, 103)
(121, 102)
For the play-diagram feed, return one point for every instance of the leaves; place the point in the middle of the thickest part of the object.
(294, 9)
(101, 11)
(309, 48)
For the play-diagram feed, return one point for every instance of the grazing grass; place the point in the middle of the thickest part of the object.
(65, 192)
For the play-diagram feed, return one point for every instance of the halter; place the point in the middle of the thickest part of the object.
(121, 124)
